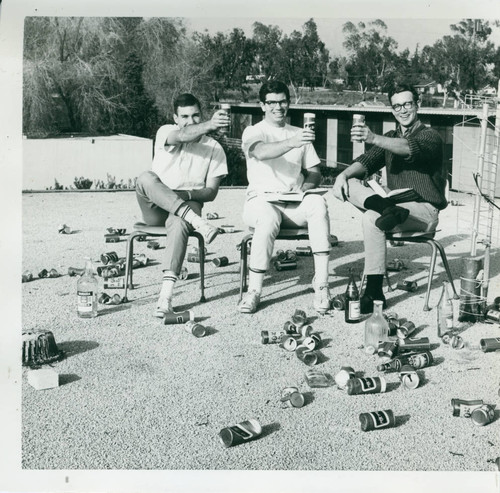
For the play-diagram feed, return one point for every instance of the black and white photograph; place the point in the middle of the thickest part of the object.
(250, 247)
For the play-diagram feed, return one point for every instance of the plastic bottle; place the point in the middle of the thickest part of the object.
(444, 312)
(86, 290)
(352, 308)
(376, 328)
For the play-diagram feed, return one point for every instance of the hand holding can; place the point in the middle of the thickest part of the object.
(357, 122)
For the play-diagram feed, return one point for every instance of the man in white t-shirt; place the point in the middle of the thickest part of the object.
(281, 158)
(186, 172)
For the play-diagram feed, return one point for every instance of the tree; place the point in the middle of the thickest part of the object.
(267, 40)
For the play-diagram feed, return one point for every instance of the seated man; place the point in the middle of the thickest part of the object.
(186, 172)
(278, 156)
(413, 157)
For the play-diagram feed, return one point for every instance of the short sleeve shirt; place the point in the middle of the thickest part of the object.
(187, 166)
(281, 174)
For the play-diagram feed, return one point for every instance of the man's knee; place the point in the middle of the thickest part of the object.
(315, 204)
(175, 224)
(269, 223)
(145, 180)
(368, 219)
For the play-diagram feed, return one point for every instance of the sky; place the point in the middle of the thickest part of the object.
(407, 32)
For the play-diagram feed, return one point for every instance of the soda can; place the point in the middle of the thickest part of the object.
(220, 261)
(310, 121)
(272, 336)
(227, 228)
(421, 360)
(405, 330)
(114, 283)
(303, 251)
(387, 349)
(366, 385)
(242, 432)
(183, 274)
(409, 377)
(212, 215)
(490, 344)
(299, 318)
(395, 265)
(195, 328)
(312, 342)
(289, 342)
(109, 257)
(291, 397)
(74, 271)
(409, 344)
(456, 342)
(463, 409)
(343, 376)
(178, 317)
(377, 420)
(483, 415)
(279, 265)
(43, 273)
(310, 358)
(316, 379)
(410, 286)
(396, 243)
(153, 245)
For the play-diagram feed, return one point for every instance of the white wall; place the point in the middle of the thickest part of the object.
(122, 156)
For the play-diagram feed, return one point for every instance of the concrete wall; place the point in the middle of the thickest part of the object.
(122, 156)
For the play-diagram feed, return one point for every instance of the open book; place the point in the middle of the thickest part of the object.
(292, 196)
(397, 196)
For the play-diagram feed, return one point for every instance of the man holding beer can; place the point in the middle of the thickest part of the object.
(186, 172)
(413, 157)
(281, 158)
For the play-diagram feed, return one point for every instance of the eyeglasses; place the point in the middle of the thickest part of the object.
(407, 106)
(283, 102)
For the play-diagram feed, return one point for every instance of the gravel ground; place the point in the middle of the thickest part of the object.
(136, 394)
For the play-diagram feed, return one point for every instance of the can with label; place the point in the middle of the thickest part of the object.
(272, 336)
(421, 360)
(377, 420)
(303, 251)
(410, 286)
(405, 329)
(178, 317)
(463, 409)
(290, 328)
(195, 328)
(220, 261)
(490, 344)
(227, 228)
(387, 349)
(357, 121)
(310, 121)
(338, 302)
(317, 379)
(456, 342)
(409, 344)
(109, 257)
(291, 397)
(227, 108)
(409, 377)
(194, 258)
(310, 358)
(366, 385)
(114, 283)
(483, 415)
(492, 315)
(343, 376)
(242, 432)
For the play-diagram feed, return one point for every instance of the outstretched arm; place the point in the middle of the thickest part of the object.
(396, 145)
(262, 151)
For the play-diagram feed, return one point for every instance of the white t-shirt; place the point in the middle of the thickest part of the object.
(187, 166)
(281, 174)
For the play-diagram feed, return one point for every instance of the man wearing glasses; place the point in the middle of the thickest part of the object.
(412, 155)
(281, 158)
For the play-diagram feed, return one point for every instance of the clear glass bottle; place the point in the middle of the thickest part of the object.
(86, 292)
(444, 311)
(352, 309)
(376, 328)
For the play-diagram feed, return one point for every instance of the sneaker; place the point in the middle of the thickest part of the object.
(208, 231)
(164, 306)
(322, 299)
(249, 302)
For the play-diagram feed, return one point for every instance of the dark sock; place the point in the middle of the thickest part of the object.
(374, 284)
(391, 217)
(377, 203)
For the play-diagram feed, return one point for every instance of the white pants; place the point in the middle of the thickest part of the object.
(423, 217)
(267, 218)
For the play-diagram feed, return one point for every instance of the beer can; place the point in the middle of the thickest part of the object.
(272, 336)
(112, 238)
(153, 245)
(227, 228)
(196, 251)
(357, 121)
(396, 243)
(178, 317)
(279, 265)
(74, 271)
(310, 121)
(104, 298)
(291, 397)
(299, 318)
(421, 360)
(366, 385)
(338, 302)
(387, 349)
(193, 258)
(410, 286)
(43, 273)
(490, 344)
(463, 408)
(307, 331)
(343, 376)
(303, 251)
(220, 261)
(415, 344)
(446, 337)
(483, 415)
(333, 240)
(409, 377)
(195, 328)
(227, 108)
(316, 378)
(310, 358)
(109, 257)
(456, 342)
(377, 420)
(63, 229)
(492, 315)
(183, 274)
(395, 265)
(116, 299)
(53, 273)
(405, 330)
(27, 276)
(114, 283)
(242, 432)
(312, 342)
(212, 215)
(141, 237)
(289, 342)
(290, 328)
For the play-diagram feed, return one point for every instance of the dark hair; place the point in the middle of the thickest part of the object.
(274, 86)
(185, 99)
(401, 87)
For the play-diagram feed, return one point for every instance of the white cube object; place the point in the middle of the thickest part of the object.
(43, 379)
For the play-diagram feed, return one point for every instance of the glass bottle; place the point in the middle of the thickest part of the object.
(86, 291)
(444, 312)
(376, 328)
(352, 309)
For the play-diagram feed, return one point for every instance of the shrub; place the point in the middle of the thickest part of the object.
(82, 183)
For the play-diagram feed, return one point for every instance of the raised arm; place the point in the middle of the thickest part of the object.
(262, 151)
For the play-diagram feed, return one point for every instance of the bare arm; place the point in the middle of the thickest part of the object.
(271, 150)
(206, 194)
(341, 185)
(396, 145)
(312, 179)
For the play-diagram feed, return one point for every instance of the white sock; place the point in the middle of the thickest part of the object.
(186, 213)
(255, 281)
(167, 287)
(321, 268)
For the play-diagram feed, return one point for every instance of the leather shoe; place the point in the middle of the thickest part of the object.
(391, 217)
(366, 302)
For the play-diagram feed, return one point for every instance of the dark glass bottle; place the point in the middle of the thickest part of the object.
(352, 308)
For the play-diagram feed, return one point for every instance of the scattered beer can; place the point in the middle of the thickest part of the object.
(409, 377)
(493, 315)
(410, 286)
(272, 336)
(396, 243)
(343, 376)
(299, 318)
(141, 237)
(63, 229)
(338, 302)
(405, 329)
(414, 344)
(114, 283)
(395, 265)
(387, 349)
(27, 276)
(367, 385)
(377, 420)
(490, 344)
(242, 432)
(196, 251)
(227, 228)
(446, 337)
(289, 342)
(290, 328)
(109, 257)
(421, 360)
(53, 273)
(194, 258)
(306, 331)
(483, 415)
(220, 261)
(456, 342)
(104, 298)
(178, 317)
(195, 328)
(308, 357)
(183, 274)
(153, 245)
(303, 251)
(279, 265)
(312, 342)
(463, 408)
(333, 240)
(291, 397)
(43, 273)
(316, 378)
(74, 271)
(212, 215)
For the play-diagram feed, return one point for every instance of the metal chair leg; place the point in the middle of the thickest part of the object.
(201, 249)
(432, 244)
(129, 256)
(243, 264)
(447, 268)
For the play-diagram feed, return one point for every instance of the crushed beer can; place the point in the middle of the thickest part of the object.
(227, 228)
(212, 215)
(193, 258)
(290, 328)
(153, 245)
(53, 273)
(409, 377)
(395, 265)
(27, 276)
(338, 302)
(75, 271)
(410, 286)
(463, 408)
(387, 349)
(43, 273)
(291, 397)
(377, 420)
(64, 229)
(343, 376)
(306, 355)
(405, 329)
(396, 243)
(483, 415)
(240, 433)
(456, 342)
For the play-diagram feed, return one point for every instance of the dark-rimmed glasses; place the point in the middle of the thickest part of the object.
(283, 102)
(407, 106)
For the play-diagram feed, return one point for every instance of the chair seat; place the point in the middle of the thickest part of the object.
(411, 235)
(290, 233)
(141, 227)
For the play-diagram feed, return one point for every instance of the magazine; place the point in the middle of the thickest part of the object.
(397, 196)
(292, 196)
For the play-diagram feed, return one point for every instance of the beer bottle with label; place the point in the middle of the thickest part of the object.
(352, 308)
(86, 291)
(444, 312)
